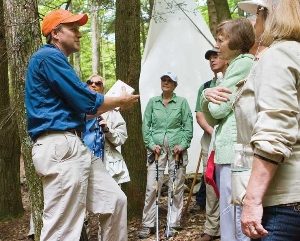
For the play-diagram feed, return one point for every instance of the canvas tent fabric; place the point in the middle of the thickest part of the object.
(177, 40)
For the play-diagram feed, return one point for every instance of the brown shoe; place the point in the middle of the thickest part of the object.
(207, 237)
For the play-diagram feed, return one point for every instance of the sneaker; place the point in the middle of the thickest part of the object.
(30, 237)
(207, 237)
(172, 232)
(146, 232)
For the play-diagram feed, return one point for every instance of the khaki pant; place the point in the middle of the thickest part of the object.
(150, 208)
(74, 180)
(212, 222)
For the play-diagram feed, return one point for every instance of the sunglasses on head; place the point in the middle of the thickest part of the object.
(97, 83)
(261, 9)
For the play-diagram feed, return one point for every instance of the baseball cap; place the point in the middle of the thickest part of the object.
(171, 75)
(211, 52)
(56, 17)
(251, 5)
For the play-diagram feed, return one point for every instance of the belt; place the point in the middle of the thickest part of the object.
(296, 205)
(76, 132)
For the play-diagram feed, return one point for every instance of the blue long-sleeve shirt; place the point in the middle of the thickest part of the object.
(55, 97)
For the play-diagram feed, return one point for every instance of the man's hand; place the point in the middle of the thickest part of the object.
(217, 94)
(177, 149)
(128, 100)
(156, 149)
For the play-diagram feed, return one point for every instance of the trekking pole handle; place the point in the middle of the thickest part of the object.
(177, 159)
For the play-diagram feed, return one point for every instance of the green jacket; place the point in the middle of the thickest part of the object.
(226, 133)
(174, 121)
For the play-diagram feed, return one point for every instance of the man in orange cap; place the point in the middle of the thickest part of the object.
(57, 105)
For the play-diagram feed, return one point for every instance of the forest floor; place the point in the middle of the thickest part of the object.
(17, 229)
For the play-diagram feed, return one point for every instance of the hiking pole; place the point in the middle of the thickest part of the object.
(172, 193)
(192, 187)
(156, 201)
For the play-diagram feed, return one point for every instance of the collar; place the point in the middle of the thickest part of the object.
(173, 99)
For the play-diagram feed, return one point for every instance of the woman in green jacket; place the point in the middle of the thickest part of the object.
(234, 40)
(167, 131)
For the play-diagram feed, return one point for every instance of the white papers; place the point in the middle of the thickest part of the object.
(116, 89)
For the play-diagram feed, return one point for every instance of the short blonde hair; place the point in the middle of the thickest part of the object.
(283, 23)
(100, 77)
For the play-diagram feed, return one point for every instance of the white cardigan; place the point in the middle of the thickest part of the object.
(114, 138)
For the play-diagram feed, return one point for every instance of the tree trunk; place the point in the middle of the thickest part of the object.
(10, 198)
(23, 38)
(128, 60)
(74, 58)
(151, 3)
(212, 17)
(95, 38)
(222, 9)
(77, 64)
(143, 33)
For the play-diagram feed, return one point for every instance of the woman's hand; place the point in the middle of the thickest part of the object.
(261, 176)
(156, 149)
(177, 149)
(102, 123)
(251, 220)
(217, 94)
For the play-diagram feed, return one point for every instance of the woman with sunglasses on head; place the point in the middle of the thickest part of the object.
(167, 132)
(260, 9)
(269, 110)
(105, 134)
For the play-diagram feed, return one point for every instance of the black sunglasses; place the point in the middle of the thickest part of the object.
(98, 83)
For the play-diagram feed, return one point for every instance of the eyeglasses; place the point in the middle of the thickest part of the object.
(97, 83)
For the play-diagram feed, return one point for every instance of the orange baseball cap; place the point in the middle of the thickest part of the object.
(56, 17)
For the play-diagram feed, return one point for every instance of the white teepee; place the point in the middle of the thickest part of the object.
(177, 41)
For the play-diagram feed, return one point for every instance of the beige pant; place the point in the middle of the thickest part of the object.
(74, 180)
(150, 207)
(212, 222)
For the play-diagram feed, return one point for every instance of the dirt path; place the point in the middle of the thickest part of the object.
(17, 229)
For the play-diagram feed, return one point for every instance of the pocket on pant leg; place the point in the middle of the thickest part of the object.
(62, 147)
(42, 153)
